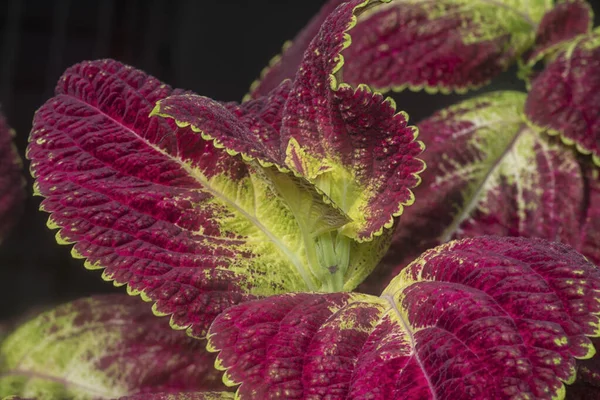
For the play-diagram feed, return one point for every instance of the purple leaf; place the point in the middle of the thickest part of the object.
(562, 23)
(251, 129)
(129, 190)
(473, 319)
(102, 347)
(489, 174)
(449, 45)
(12, 194)
(175, 218)
(348, 142)
(565, 98)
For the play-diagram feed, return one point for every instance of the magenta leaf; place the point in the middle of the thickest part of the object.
(348, 142)
(565, 98)
(12, 194)
(131, 192)
(173, 216)
(490, 174)
(102, 347)
(568, 19)
(251, 129)
(478, 318)
(285, 65)
(449, 45)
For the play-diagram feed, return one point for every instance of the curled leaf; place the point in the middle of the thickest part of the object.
(102, 347)
(480, 318)
(165, 212)
(449, 45)
(349, 142)
(12, 194)
(565, 98)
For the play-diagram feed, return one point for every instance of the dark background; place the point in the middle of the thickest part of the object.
(215, 48)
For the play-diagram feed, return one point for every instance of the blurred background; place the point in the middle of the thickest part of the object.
(215, 48)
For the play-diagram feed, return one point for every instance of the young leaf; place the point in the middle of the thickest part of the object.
(565, 98)
(102, 347)
(489, 174)
(448, 45)
(473, 319)
(568, 19)
(178, 220)
(349, 142)
(12, 194)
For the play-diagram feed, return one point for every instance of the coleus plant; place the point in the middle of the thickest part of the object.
(251, 224)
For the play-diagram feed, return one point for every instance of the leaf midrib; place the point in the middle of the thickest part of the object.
(471, 203)
(292, 257)
(413, 344)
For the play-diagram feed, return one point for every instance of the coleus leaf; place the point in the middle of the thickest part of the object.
(481, 318)
(165, 212)
(490, 174)
(568, 19)
(12, 194)
(102, 347)
(449, 45)
(565, 98)
(348, 142)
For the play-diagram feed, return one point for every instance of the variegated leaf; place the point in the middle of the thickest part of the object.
(489, 174)
(486, 318)
(161, 210)
(349, 142)
(565, 98)
(101, 348)
(448, 45)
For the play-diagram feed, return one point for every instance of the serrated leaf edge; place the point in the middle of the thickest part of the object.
(156, 111)
(429, 89)
(52, 225)
(336, 86)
